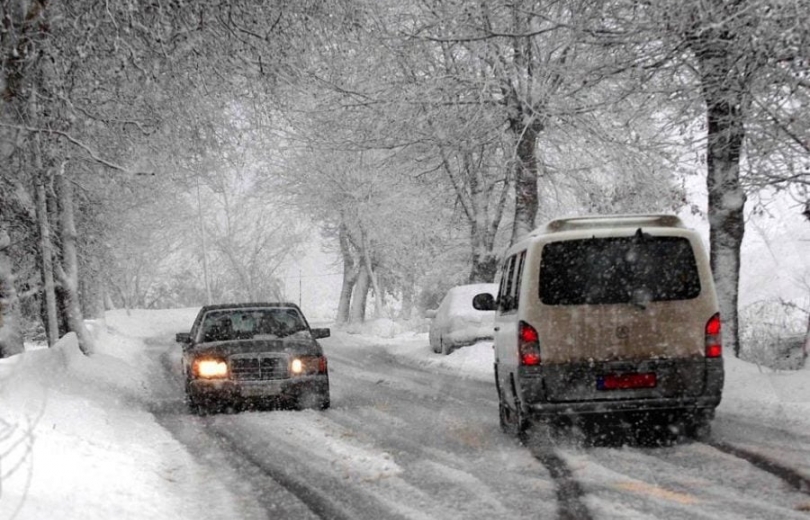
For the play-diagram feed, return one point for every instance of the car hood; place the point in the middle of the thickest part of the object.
(293, 346)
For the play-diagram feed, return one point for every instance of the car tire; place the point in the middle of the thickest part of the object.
(445, 348)
(196, 407)
(436, 348)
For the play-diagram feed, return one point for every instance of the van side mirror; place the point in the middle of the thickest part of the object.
(321, 333)
(183, 337)
(484, 302)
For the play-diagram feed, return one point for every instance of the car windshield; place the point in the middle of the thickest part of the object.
(235, 324)
(617, 270)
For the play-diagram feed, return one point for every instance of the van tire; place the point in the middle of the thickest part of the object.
(539, 434)
(698, 428)
(512, 421)
(444, 348)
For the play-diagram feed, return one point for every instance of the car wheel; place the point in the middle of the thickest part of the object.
(196, 407)
(436, 347)
(445, 348)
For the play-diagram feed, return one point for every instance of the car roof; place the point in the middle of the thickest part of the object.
(473, 287)
(589, 222)
(251, 305)
(604, 225)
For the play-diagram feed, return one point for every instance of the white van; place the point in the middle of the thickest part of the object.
(607, 315)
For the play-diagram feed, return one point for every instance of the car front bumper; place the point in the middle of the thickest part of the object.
(201, 390)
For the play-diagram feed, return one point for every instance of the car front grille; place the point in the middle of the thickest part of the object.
(258, 367)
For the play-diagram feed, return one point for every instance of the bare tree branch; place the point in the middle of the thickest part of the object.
(92, 153)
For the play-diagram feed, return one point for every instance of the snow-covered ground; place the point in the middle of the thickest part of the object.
(78, 439)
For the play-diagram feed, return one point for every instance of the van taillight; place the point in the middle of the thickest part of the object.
(528, 344)
(714, 344)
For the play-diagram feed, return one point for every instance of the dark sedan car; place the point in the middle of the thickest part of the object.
(254, 352)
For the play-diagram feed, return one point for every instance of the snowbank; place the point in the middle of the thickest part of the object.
(77, 439)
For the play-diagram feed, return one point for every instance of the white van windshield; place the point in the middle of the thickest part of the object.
(618, 270)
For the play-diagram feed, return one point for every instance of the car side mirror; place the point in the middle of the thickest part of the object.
(484, 302)
(321, 333)
(183, 337)
(430, 314)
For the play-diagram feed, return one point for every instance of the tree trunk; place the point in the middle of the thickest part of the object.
(378, 303)
(484, 259)
(359, 297)
(68, 273)
(484, 222)
(92, 293)
(725, 136)
(726, 222)
(11, 339)
(525, 180)
(408, 294)
(46, 251)
(350, 273)
(807, 342)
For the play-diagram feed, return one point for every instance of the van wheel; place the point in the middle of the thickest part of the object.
(512, 421)
(444, 347)
(698, 428)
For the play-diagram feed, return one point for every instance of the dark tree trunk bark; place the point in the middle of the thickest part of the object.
(484, 259)
(723, 94)
(92, 294)
(360, 297)
(68, 273)
(726, 214)
(46, 251)
(525, 180)
(11, 339)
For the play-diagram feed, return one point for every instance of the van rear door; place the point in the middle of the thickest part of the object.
(621, 318)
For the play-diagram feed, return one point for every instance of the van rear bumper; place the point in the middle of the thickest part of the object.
(703, 405)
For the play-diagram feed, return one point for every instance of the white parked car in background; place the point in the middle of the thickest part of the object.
(457, 323)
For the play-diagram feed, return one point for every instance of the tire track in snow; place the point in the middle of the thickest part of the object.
(793, 477)
(570, 493)
(188, 428)
(258, 471)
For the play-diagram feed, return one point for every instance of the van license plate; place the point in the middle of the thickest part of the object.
(626, 381)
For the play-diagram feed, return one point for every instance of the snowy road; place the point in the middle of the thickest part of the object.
(409, 441)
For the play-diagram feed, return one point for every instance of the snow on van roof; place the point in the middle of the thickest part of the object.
(609, 221)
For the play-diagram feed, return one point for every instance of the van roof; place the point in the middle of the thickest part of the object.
(608, 221)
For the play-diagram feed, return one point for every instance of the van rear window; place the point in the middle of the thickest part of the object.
(636, 269)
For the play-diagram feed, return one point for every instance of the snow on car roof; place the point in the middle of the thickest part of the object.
(461, 296)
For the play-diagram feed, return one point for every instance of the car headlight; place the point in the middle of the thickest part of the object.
(297, 366)
(210, 368)
(307, 365)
